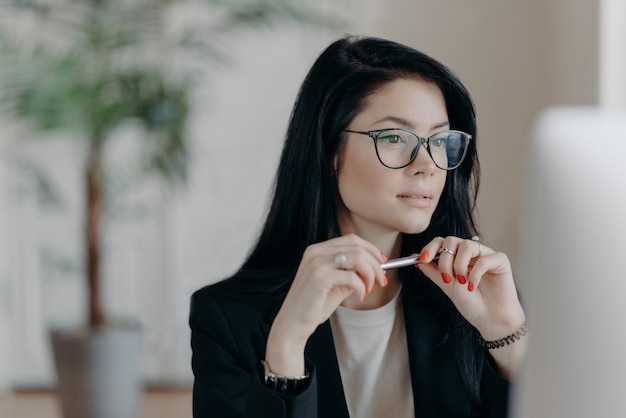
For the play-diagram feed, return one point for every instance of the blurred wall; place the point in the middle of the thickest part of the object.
(516, 57)
(612, 83)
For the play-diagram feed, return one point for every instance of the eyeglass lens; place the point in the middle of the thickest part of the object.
(396, 148)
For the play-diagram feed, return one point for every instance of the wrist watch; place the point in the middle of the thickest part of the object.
(286, 385)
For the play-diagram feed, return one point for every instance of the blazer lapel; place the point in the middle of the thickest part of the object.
(421, 341)
(320, 350)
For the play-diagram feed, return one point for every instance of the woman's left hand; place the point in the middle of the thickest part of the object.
(478, 280)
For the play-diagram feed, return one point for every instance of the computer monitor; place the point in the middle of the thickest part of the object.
(572, 266)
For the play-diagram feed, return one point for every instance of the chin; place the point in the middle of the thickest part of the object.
(413, 222)
(416, 228)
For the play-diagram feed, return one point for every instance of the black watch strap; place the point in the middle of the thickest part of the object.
(286, 385)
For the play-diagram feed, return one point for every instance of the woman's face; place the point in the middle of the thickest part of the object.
(376, 197)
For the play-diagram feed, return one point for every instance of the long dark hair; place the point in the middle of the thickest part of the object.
(303, 209)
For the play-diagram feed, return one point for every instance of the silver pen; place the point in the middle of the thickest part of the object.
(403, 262)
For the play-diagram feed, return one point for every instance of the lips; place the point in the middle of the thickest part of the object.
(417, 199)
(416, 195)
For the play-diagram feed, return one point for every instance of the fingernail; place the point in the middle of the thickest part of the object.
(371, 289)
(424, 255)
(382, 254)
(470, 286)
(446, 278)
(385, 281)
(461, 279)
(363, 298)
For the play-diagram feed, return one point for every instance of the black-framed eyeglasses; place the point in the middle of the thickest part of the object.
(397, 147)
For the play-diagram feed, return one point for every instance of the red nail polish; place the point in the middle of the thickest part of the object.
(385, 281)
(382, 254)
(424, 255)
(446, 278)
(461, 279)
(470, 286)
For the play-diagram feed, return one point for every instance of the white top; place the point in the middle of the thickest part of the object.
(374, 361)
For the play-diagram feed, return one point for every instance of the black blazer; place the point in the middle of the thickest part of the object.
(229, 331)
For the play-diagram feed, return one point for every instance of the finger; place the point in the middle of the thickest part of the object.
(352, 241)
(431, 270)
(360, 261)
(466, 251)
(495, 263)
(366, 267)
(430, 250)
(447, 255)
(426, 265)
(351, 280)
(368, 256)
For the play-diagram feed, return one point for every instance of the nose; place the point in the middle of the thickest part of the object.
(422, 163)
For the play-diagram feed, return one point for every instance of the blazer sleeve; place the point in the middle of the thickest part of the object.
(495, 390)
(226, 365)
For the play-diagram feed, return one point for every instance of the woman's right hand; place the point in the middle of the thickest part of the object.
(319, 286)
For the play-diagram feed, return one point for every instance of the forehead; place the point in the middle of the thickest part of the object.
(414, 101)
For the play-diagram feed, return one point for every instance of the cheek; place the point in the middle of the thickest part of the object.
(360, 200)
(360, 183)
(440, 181)
(354, 185)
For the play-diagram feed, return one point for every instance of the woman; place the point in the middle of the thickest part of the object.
(379, 162)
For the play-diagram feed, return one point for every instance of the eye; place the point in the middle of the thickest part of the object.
(437, 142)
(390, 138)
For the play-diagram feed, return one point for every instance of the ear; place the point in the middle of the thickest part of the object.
(336, 162)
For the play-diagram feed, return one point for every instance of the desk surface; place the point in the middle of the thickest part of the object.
(44, 404)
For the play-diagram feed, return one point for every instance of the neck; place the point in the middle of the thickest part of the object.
(388, 242)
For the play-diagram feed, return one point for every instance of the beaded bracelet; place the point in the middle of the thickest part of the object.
(490, 345)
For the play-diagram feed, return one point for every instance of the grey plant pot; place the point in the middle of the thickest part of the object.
(98, 372)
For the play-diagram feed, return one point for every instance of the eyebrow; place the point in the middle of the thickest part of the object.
(408, 124)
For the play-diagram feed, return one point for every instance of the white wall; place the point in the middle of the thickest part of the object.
(169, 243)
(612, 53)
(498, 50)
(516, 57)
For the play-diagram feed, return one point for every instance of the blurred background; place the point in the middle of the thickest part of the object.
(162, 241)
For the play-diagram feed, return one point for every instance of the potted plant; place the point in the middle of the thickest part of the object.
(86, 68)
